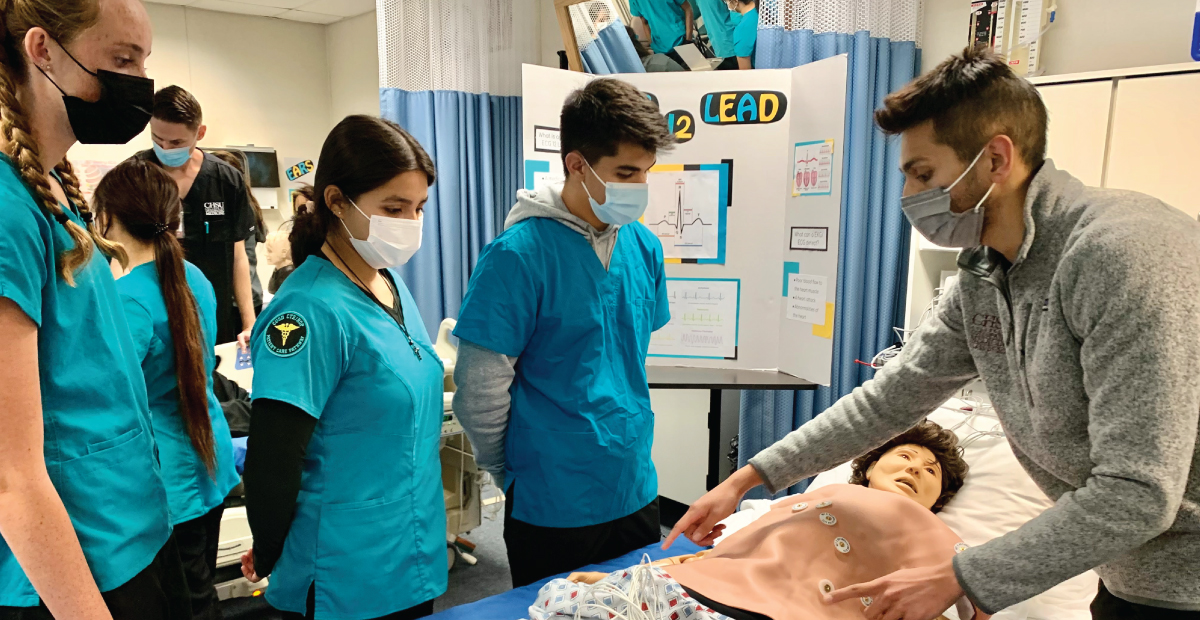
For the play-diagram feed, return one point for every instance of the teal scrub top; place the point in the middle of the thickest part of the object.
(581, 427)
(191, 491)
(370, 523)
(665, 18)
(98, 445)
(745, 35)
(716, 16)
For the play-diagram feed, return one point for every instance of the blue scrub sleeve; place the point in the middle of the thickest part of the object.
(304, 369)
(662, 306)
(23, 267)
(635, 8)
(501, 306)
(141, 327)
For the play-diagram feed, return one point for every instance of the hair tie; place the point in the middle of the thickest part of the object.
(62, 218)
(87, 217)
(160, 229)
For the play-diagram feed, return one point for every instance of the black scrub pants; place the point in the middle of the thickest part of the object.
(536, 552)
(412, 613)
(1109, 607)
(198, 540)
(159, 592)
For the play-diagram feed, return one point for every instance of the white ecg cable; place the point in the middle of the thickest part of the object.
(641, 591)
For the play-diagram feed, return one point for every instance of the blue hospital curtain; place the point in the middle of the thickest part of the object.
(873, 261)
(475, 142)
(611, 52)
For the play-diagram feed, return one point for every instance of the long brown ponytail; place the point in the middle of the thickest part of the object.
(63, 20)
(145, 201)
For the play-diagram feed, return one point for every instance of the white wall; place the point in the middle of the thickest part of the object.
(550, 34)
(259, 81)
(1088, 35)
(353, 67)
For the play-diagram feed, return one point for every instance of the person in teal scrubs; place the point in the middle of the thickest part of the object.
(83, 510)
(745, 34)
(717, 24)
(553, 335)
(669, 22)
(343, 477)
(172, 314)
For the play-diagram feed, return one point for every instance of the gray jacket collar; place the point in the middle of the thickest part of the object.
(1050, 190)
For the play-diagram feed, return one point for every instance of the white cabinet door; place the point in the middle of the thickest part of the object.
(1078, 127)
(1156, 139)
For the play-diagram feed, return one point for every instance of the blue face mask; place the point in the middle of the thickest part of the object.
(624, 203)
(173, 158)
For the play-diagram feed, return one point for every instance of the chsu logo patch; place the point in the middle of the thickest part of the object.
(214, 208)
(287, 334)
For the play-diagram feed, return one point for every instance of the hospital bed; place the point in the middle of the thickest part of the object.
(997, 497)
(515, 603)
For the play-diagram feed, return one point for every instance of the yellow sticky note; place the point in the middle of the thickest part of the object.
(826, 330)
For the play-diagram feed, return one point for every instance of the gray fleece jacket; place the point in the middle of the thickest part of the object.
(1087, 344)
(483, 377)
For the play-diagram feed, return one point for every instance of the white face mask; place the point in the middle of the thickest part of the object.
(390, 241)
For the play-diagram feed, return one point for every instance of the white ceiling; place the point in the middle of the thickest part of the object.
(311, 11)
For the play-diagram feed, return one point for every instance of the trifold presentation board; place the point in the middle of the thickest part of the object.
(747, 206)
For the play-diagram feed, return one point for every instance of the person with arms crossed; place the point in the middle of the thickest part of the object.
(171, 311)
(553, 335)
(1077, 307)
(83, 510)
(217, 216)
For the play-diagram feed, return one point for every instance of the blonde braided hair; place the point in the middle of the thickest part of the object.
(63, 20)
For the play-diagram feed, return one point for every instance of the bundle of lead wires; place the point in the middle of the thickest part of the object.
(902, 335)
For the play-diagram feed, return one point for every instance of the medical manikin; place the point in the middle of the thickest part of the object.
(782, 566)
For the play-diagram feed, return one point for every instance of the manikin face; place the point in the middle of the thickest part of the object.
(909, 470)
(278, 252)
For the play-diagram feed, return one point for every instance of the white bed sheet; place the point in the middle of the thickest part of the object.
(997, 497)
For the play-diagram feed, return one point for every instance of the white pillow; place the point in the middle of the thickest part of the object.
(996, 498)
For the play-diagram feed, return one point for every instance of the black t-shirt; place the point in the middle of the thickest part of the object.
(216, 215)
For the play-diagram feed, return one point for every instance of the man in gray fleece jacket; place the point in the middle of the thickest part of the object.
(1080, 310)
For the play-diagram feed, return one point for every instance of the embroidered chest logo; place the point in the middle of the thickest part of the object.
(986, 334)
(287, 334)
(214, 208)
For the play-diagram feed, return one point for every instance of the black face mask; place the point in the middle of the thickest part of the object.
(121, 112)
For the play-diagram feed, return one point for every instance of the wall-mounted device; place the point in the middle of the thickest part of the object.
(263, 164)
(1014, 29)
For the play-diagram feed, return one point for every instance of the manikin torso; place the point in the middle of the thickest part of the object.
(834, 537)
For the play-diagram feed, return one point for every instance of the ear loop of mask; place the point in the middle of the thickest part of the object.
(72, 57)
(969, 167)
